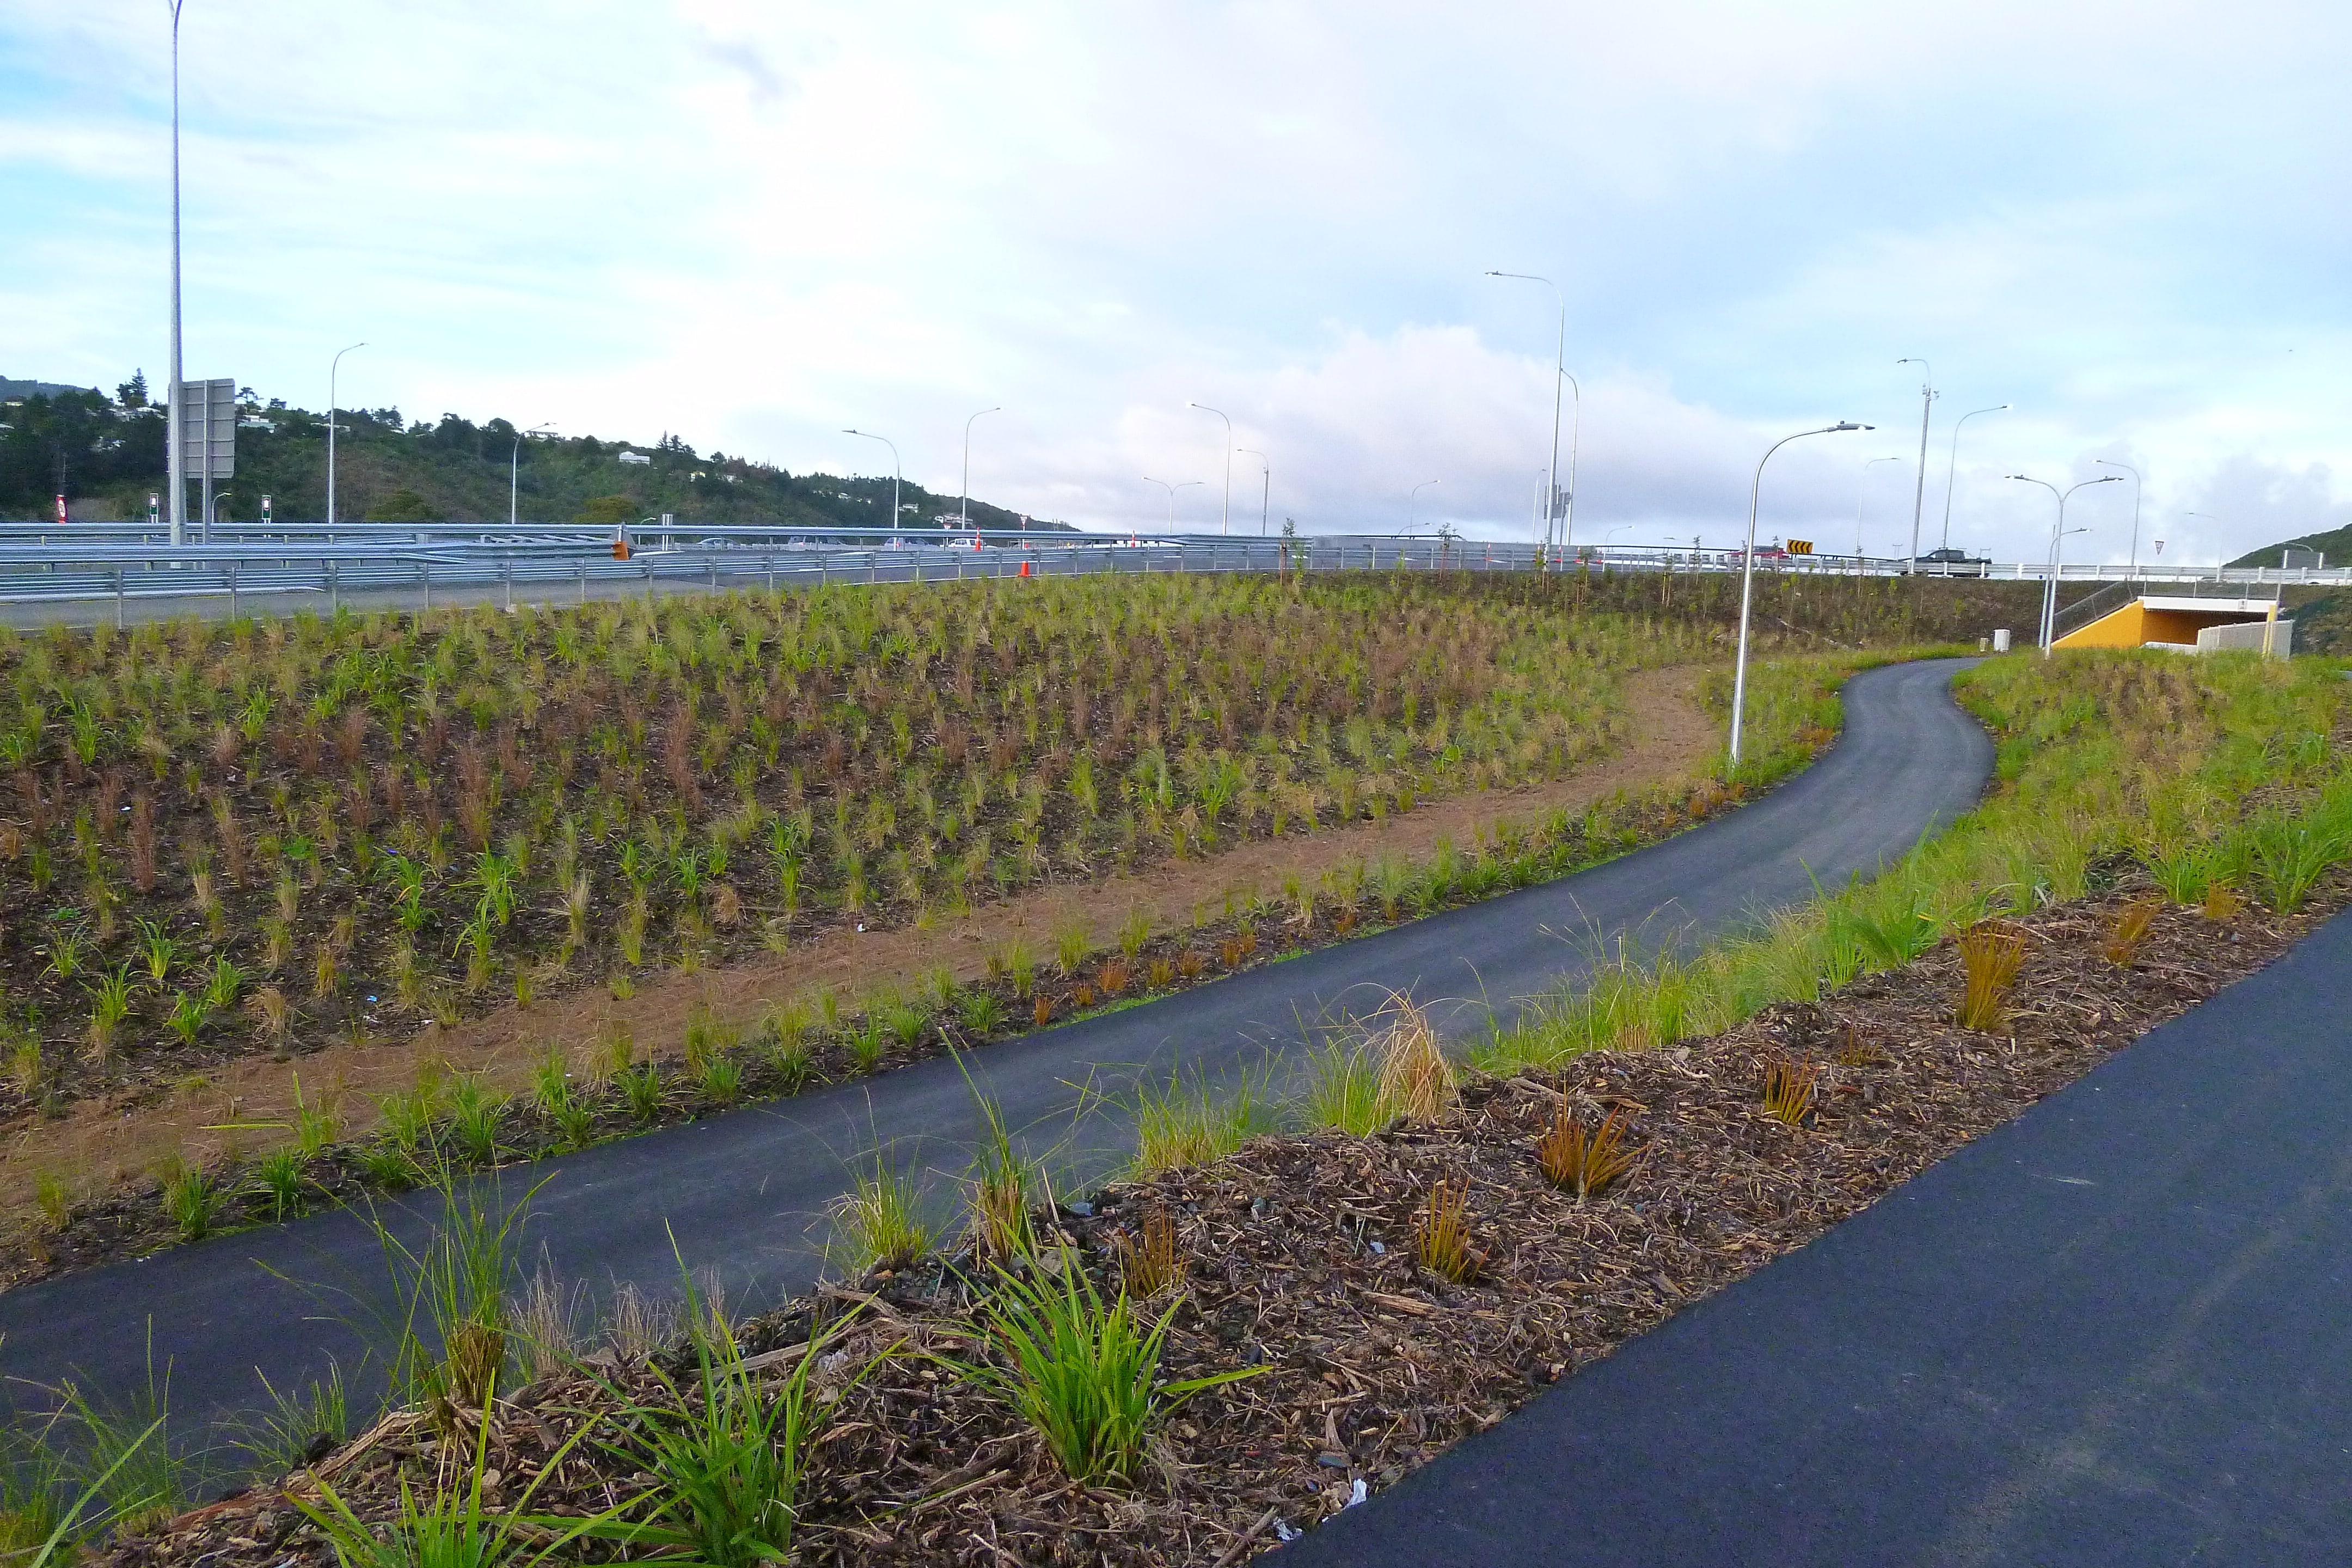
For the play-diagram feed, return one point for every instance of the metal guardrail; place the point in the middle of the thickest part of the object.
(407, 564)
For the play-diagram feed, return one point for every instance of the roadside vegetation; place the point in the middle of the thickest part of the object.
(1257, 1324)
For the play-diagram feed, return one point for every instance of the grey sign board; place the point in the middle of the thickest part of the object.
(208, 429)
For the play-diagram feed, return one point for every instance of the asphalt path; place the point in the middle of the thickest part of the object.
(2114, 1332)
(741, 1196)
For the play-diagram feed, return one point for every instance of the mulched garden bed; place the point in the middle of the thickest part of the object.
(1300, 1257)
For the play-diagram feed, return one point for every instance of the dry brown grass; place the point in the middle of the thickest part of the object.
(1416, 1080)
(1582, 1162)
(1148, 1260)
(1790, 1085)
(1991, 953)
(2129, 930)
(1441, 1232)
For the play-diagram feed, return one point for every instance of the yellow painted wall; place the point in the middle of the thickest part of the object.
(2136, 624)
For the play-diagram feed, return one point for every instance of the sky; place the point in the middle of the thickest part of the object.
(755, 222)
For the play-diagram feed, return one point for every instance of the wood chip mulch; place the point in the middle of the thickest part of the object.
(1300, 1257)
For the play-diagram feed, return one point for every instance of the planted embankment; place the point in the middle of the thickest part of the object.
(1402, 1287)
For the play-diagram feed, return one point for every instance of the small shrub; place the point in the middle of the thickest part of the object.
(53, 1200)
(1084, 1373)
(721, 1080)
(1083, 997)
(1229, 952)
(905, 1022)
(1991, 953)
(1112, 977)
(474, 1109)
(279, 1175)
(981, 1013)
(575, 1124)
(879, 1221)
(1190, 964)
(1040, 1012)
(641, 1090)
(1134, 932)
(1070, 945)
(2222, 901)
(550, 1083)
(194, 1198)
(866, 1044)
(1583, 1164)
(2129, 931)
(386, 1167)
(1441, 1232)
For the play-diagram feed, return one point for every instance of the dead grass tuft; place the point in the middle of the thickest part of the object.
(1580, 1163)
(1416, 1080)
(1991, 953)
(2129, 931)
(1790, 1085)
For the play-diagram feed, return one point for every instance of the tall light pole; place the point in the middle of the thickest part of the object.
(1265, 494)
(1919, 490)
(1413, 505)
(2057, 533)
(175, 453)
(1952, 468)
(963, 502)
(1225, 519)
(1172, 489)
(1575, 438)
(1860, 491)
(334, 366)
(895, 475)
(1559, 366)
(1747, 575)
(2127, 467)
(514, 467)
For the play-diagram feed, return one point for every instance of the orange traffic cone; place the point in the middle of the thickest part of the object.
(1024, 569)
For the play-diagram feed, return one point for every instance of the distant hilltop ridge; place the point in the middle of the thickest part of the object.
(10, 390)
(106, 456)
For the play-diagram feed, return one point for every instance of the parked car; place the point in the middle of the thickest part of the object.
(1951, 562)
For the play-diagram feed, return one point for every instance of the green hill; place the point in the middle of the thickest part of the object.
(2336, 544)
(106, 456)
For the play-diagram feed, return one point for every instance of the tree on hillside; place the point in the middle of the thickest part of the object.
(403, 505)
(615, 509)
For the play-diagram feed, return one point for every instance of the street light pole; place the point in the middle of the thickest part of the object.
(174, 439)
(1265, 494)
(963, 502)
(2127, 467)
(1225, 519)
(1919, 488)
(514, 468)
(334, 366)
(2057, 533)
(1172, 489)
(1952, 468)
(1859, 492)
(895, 476)
(1748, 576)
(1413, 505)
(1560, 367)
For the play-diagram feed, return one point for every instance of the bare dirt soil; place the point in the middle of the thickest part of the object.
(249, 1105)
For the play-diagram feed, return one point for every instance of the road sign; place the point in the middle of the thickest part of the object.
(208, 429)
(1801, 547)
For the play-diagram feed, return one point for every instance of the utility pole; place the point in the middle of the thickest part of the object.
(1265, 494)
(1919, 485)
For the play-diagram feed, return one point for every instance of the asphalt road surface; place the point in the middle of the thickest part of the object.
(741, 1196)
(2110, 1334)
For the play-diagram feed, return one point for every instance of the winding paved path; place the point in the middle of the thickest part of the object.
(743, 1193)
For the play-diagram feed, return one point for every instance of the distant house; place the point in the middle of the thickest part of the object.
(638, 458)
(255, 422)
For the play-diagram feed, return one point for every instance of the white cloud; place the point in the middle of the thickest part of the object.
(756, 222)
